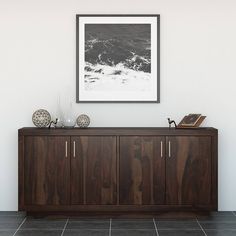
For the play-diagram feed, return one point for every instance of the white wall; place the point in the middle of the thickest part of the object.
(198, 56)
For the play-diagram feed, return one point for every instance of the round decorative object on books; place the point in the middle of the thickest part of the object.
(83, 121)
(41, 118)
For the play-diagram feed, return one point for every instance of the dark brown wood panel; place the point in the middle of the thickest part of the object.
(188, 170)
(114, 131)
(97, 179)
(214, 171)
(21, 185)
(77, 172)
(112, 163)
(46, 170)
(142, 170)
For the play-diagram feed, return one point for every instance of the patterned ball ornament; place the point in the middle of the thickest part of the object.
(83, 121)
(41, 118)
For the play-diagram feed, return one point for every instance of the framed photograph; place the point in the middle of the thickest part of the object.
(118, 58)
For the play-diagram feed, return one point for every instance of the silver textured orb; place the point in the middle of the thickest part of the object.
(41, 118)
(83, 121)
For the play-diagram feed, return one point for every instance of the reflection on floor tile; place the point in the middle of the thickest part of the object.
(181, 232)
(215, 224)
(218, 225)
(6, 232)
(86, 232)
(133, 232)
(88, 224)
(133, 224)
(29, 232)
(221, 232)
(175, 225)
(44, 224)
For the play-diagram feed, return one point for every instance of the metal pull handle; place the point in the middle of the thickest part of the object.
(74, 149)
(161, 149)
(169, 147)
(66, 150)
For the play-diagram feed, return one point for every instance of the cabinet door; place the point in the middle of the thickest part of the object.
(142, 170)
(188, 170)
(93, 170)
(47, 170)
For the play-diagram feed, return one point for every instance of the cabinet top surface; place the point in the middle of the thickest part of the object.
(118, 131)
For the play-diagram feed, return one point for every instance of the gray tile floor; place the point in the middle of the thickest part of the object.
(217, 224)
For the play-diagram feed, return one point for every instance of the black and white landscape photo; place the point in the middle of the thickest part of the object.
(116, 59)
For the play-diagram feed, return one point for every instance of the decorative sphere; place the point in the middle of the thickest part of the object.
(41, 118)
(83, 121)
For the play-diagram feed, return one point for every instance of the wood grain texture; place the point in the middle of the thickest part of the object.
(114, 131)
(21, 185)
(214, 171)
(77, 172)
(188, 171)
(128, 209)
(46, 171)
(98, 156)
(142, 170)
(117, 171)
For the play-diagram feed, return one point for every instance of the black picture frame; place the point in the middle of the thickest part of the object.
(78, 77)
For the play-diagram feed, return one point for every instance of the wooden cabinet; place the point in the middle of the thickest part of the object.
(46, 170)
(188, 170)
(117, 170)
(142, 170)
(93, 170)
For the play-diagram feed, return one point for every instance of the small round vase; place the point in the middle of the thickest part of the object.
(69, 122)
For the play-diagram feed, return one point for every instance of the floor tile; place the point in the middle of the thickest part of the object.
(12, 219)
(88, 224)
(12, 213)
(89, 219)
(220, 216)
(7, 232)
(90, 232)
(133, 224)
(43, 224)
(218, 225)
(217, 218)
(176, 225)
(221, 213)
(9, 225)
(181, 233)
(133, 232)
(220, 232)
(38, 233)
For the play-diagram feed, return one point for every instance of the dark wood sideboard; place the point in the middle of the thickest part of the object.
(117, 171)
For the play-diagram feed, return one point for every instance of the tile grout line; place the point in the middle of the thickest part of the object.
(20, 226)
(155, 226)
(110, 227)
(201, 227)
(62, 233)
(233, 213)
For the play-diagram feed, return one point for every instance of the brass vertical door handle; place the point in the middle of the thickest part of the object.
(169, 147)
(74, 149)
(161, 149)
(66, 150)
